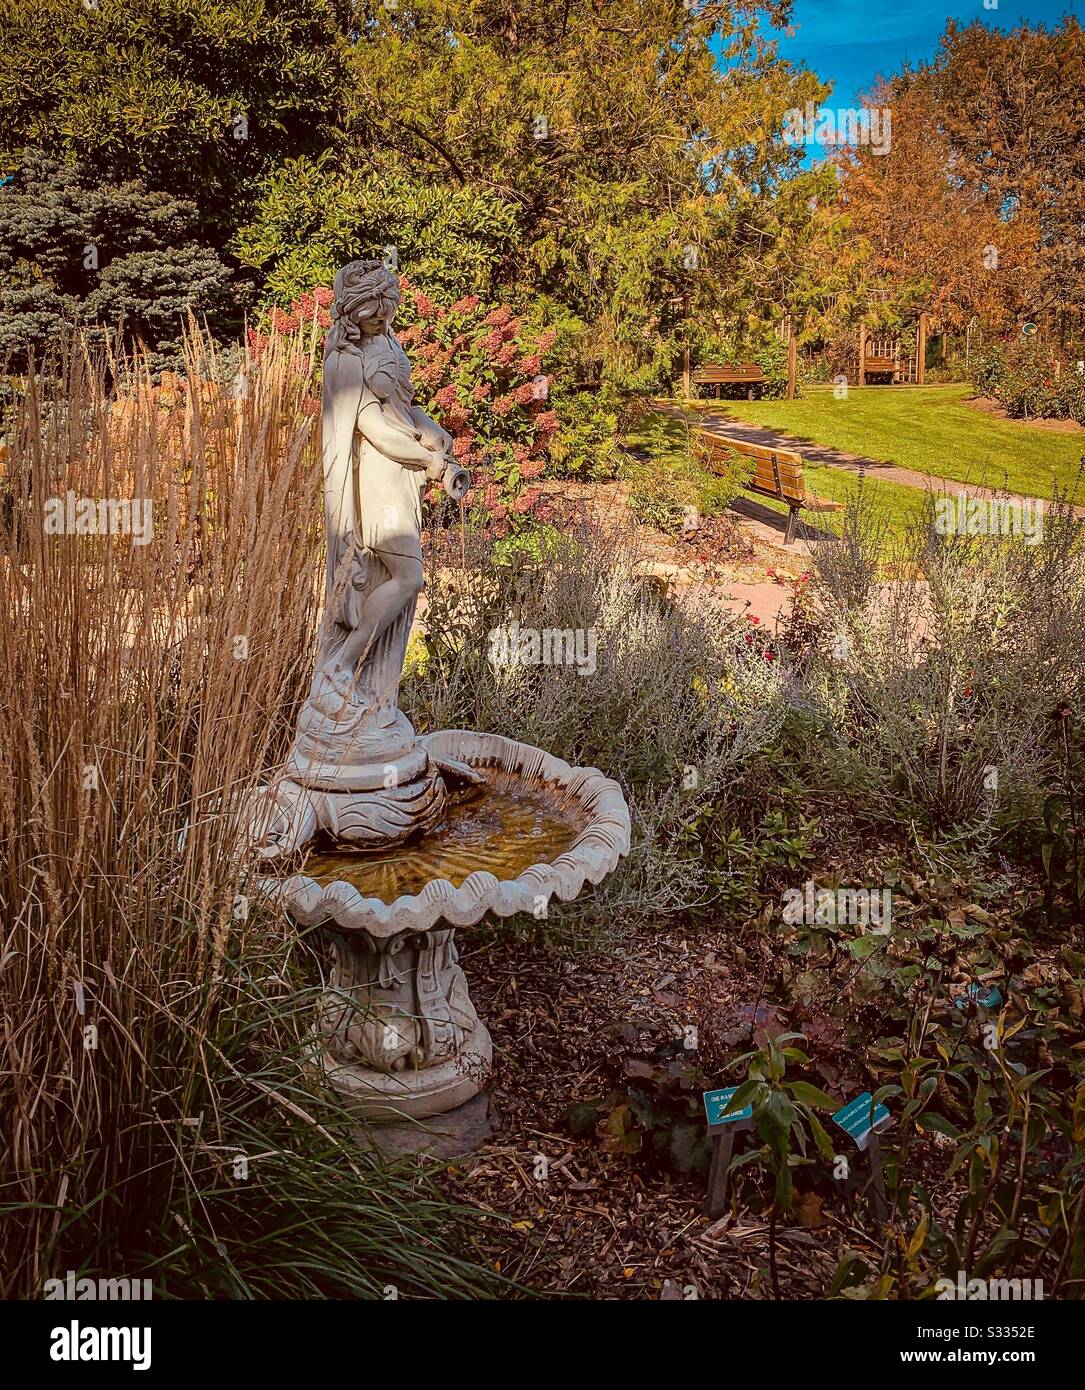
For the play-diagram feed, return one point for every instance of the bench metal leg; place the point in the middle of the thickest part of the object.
(792, 518)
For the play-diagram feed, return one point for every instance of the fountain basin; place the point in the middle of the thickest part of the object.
(399, 1035)
(585, 831)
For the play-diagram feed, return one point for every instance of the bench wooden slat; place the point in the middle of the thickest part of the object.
(717, 373)
(777, 473)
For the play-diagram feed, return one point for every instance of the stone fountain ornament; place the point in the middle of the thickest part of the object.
(406, 837)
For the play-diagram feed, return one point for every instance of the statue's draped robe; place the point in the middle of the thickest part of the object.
(372, 505)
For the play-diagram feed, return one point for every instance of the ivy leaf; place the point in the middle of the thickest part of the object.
(618, 1133)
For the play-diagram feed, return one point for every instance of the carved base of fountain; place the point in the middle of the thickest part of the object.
(385, 1098)
(400, 1034)
(397, 1029)
(450, 1135)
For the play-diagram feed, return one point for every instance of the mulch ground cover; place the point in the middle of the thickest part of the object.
(591, 1221)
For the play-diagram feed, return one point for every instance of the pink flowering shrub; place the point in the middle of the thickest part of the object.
(476, 373)
(308, 316)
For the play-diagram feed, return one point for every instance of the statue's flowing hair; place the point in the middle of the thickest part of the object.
(364, 289)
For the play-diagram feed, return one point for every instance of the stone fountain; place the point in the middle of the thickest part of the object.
(406, 837)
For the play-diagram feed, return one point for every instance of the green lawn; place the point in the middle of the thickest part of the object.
(895, 502)
(929, 429)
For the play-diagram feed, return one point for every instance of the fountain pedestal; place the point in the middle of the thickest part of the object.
(399, 1034)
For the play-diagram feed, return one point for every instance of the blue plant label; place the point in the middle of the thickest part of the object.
(716, 1102)
(855, 1119)
(986, 996)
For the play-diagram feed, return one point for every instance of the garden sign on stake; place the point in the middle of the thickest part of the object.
(723, 1129)
(863, 1123)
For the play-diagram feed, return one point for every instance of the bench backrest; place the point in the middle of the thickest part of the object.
(712, 372)
(879, 364)
(776, 471)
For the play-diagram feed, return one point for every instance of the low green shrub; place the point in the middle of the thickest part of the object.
(586, 444)
(671, 485)
(1023, 376)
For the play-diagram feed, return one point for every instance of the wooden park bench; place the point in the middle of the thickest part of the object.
(777, 473)
(747, 374)
(879, 366)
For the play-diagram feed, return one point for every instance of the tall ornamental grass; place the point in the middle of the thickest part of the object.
(157, 1119)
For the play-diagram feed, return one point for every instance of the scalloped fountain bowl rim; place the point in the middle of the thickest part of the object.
(592, 855)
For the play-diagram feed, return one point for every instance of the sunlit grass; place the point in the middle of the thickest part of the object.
(931, 430)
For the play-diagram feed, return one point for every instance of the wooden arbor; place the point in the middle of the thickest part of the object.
(881, 356)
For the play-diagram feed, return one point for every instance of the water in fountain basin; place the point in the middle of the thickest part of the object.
(506, 830)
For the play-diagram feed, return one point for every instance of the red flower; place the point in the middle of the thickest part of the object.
(282, 322)
(526, 500)
(465, 305)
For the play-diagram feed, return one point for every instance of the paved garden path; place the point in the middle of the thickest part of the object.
(837, 458)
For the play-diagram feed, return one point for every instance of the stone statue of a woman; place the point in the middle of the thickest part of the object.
(357, 768)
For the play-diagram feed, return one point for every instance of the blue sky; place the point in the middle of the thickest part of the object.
(851, 41)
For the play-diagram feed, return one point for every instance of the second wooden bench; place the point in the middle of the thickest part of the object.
(777, 473)
(718, 374)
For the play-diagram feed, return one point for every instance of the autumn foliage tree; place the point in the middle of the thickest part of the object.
(1012, 111)
(920, 238)
(975, 210)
